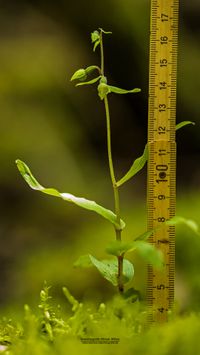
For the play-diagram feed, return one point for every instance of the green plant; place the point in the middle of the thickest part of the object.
(117, 270)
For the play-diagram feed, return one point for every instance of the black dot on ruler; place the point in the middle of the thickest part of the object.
(162, 175)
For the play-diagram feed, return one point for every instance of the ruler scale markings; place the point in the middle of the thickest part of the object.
(161, 197)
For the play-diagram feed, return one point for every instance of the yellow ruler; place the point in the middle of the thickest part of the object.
(161, 195)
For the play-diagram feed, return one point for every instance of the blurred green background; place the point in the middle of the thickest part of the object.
(59, 130)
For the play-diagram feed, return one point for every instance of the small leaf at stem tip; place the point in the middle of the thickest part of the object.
(184, 123)
(138, 164)
(109, 269)
(79, 74)
(79, 201)
(90, 82)
(117, 90)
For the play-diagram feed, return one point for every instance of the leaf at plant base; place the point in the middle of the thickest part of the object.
(80, 201)
(90, 82)
(117, 90)
(138, 164)
(181, 220)
(109, 269)
(83, 261)
(184, 123)
(149, 253)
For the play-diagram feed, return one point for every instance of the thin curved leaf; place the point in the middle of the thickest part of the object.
(109, 269)
(184, 123)
(117, 90)
(80, 201)
(138, 164)
(90, 82)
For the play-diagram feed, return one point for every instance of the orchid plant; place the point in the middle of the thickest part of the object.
(118, 270)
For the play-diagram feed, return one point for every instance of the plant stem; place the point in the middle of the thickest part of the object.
(116, 194)
(102, 53)
(112, 175)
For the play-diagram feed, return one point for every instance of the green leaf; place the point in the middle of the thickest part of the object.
(109, 269)
(118, 248)
(135, 168)
(181, 220)
(83, 261)
(145, 235)
(149, 253)
(90, 82)
(117, 90)
(145, 249)
(184, 123)
(79, 201)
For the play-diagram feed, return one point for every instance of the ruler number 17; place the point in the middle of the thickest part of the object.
(164, 17)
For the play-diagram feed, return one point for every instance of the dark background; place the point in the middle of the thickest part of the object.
(59, 130)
